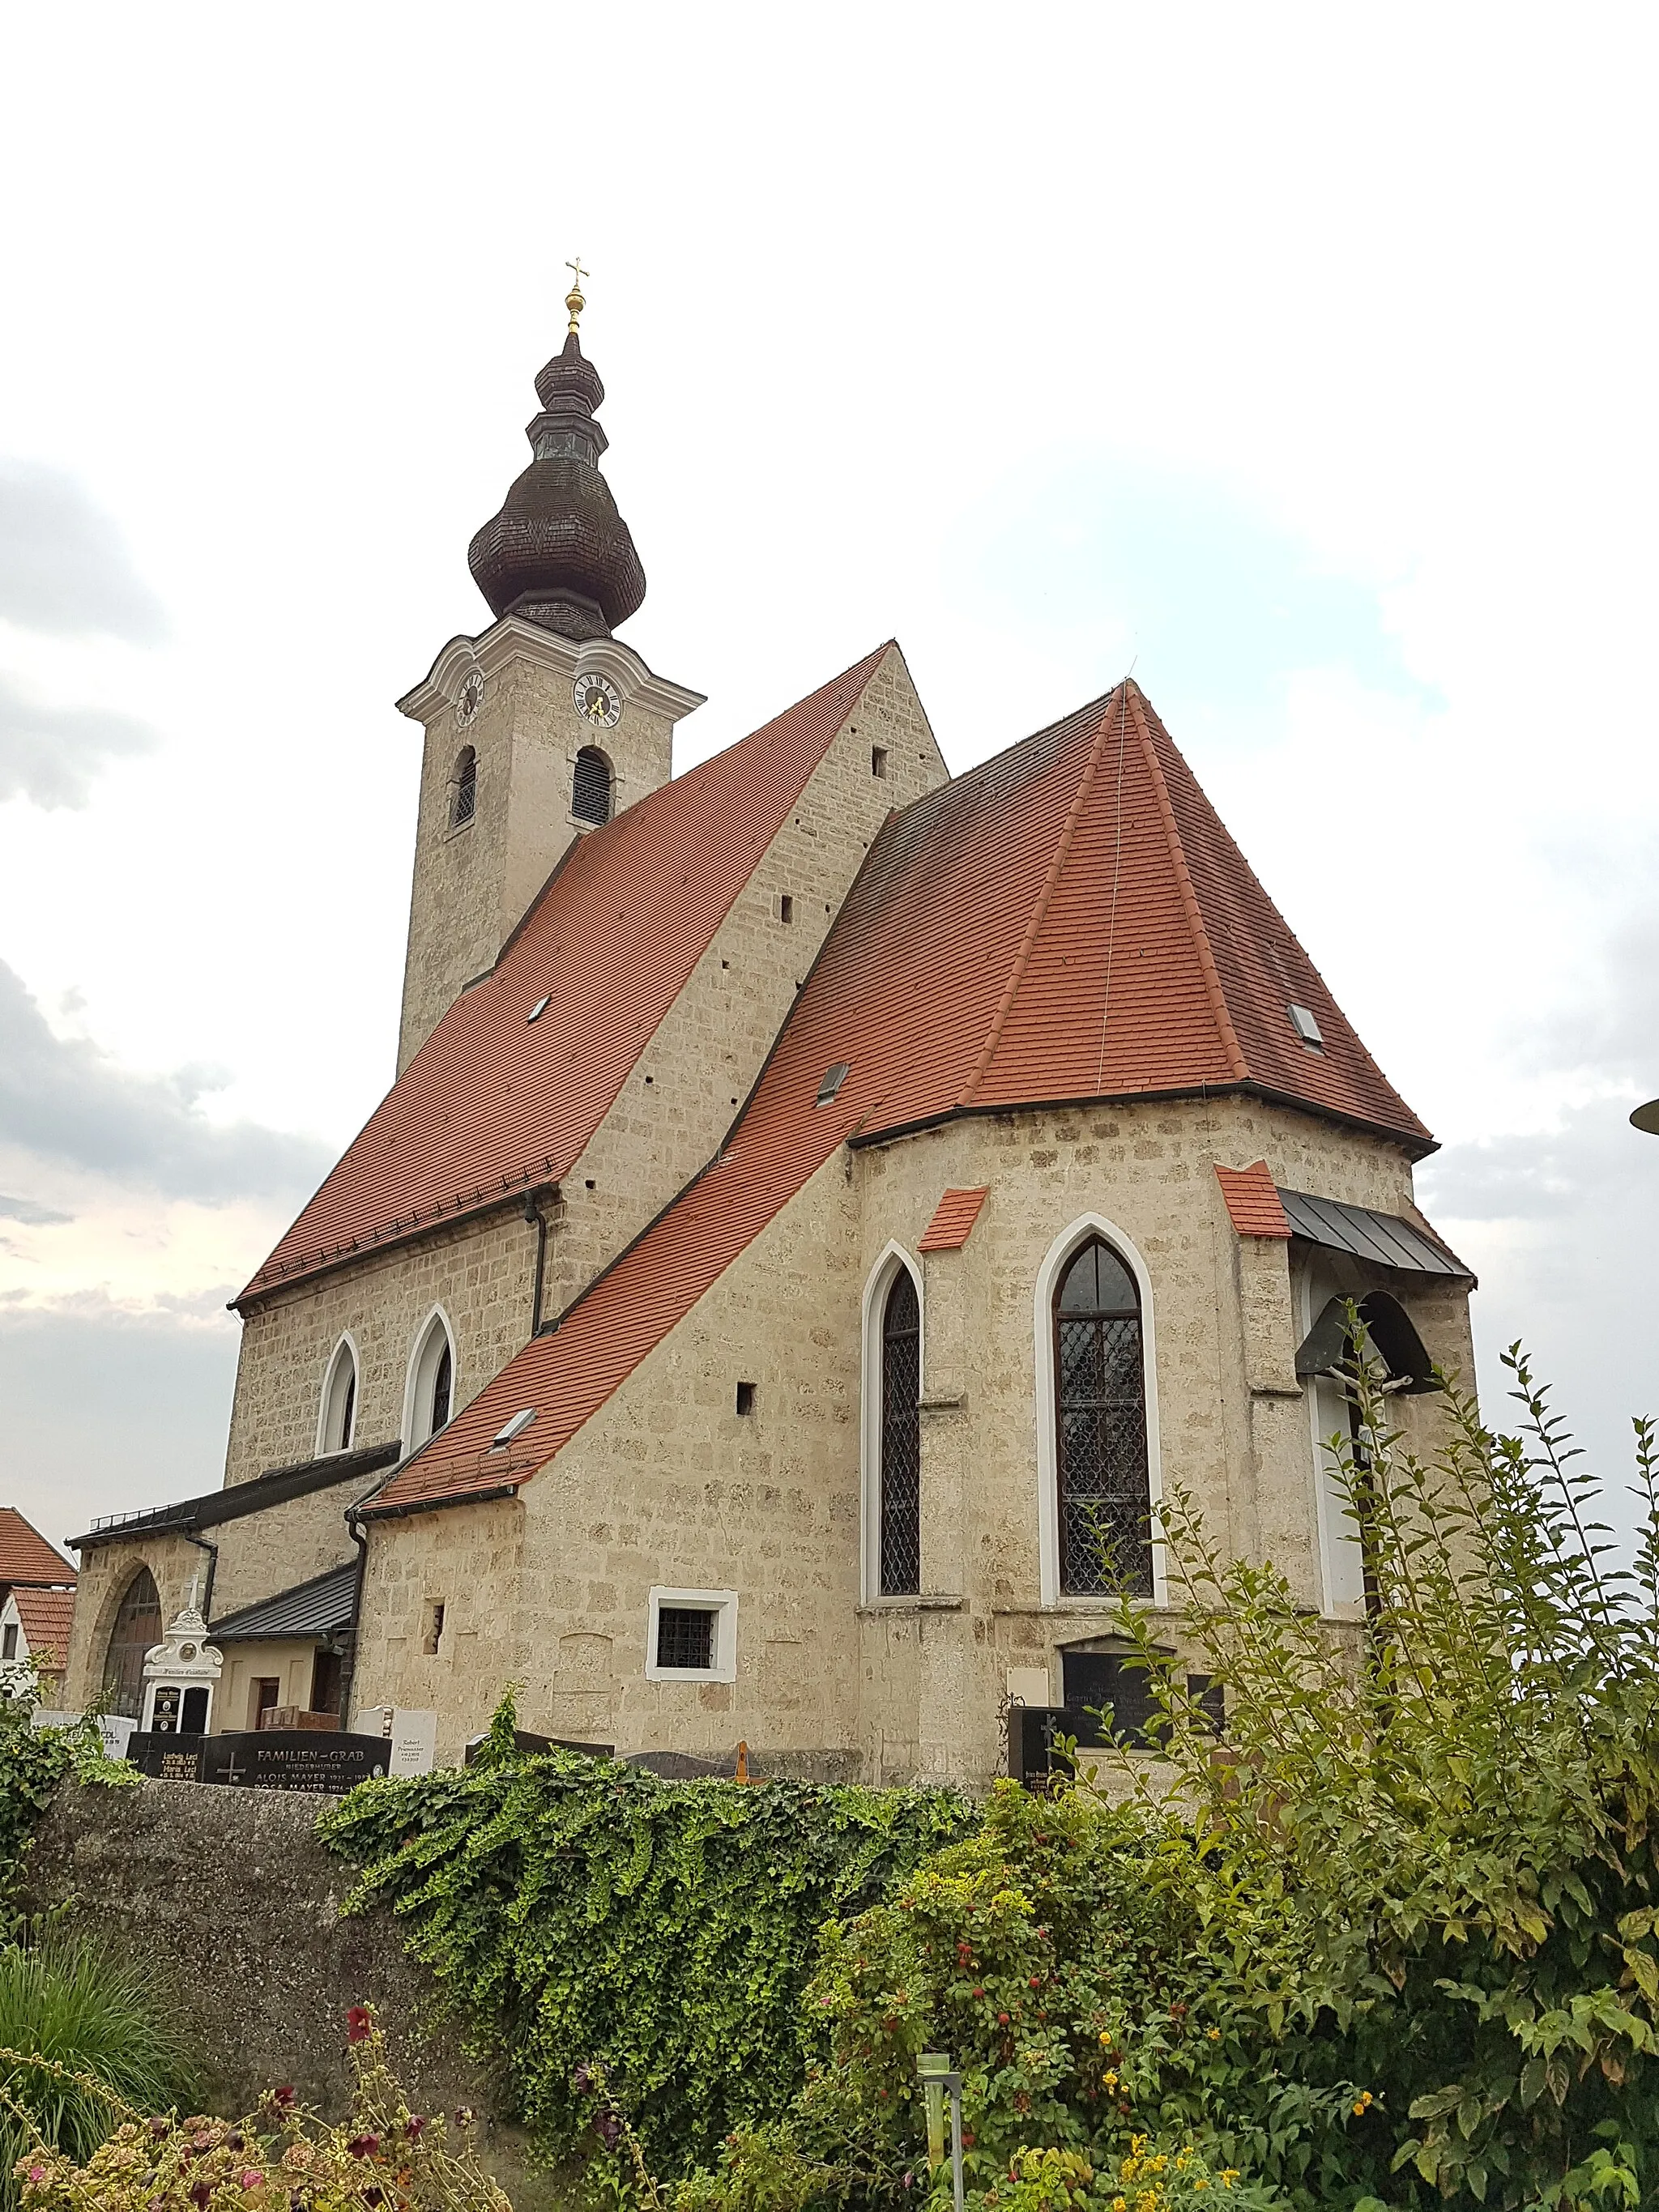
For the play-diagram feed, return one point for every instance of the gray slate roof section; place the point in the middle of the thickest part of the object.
(322, 1607)
(1383, 1238)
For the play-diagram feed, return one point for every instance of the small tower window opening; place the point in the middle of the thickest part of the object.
(901, 1439)
(1100, 1413)
(464, 804)
(745, 1398)
(878, 760)
(589, 787)
(786, 908)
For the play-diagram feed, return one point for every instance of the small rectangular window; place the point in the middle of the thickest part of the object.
(434, 1629)
(685, 1639)
(746, 1397)
(1306, 1027)
(9, 1636)
(878, 760)
(786, 908)
(833, 1079)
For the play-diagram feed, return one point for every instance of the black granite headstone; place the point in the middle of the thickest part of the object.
(325, 1761)
(166, 1754)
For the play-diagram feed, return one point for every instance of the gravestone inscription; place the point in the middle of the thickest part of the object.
(325, 1764)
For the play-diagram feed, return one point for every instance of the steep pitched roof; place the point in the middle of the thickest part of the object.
(47, 1616)
(25, 1554)
(1068, 920)
(493, 1103)
(1252, 1200)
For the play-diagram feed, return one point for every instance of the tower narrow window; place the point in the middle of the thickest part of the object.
(464, 804)
(137, 1626)
(901, 1439)
(589, 787)
(1100, 1413)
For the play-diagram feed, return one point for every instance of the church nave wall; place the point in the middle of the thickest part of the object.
(481, 1271)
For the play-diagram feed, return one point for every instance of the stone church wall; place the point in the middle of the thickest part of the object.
(552, 1590)
(481, 1271)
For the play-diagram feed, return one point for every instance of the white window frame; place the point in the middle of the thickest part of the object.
(1047, 1470)
(347, 1347)
(422, 1373)
(723, 1604)
(879, 1282)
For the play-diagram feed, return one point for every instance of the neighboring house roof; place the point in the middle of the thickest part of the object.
(323, 1607)
(274, 1487)
(1069, 921)
(492, 1103)
(25, 1554)
(47, 1616)
(953, 1220)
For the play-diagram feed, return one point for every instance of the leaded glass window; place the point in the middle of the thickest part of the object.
(901, 1439)
(1100, 1418)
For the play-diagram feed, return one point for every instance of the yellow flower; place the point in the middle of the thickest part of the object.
(1230, 2175)
(1215, 2035)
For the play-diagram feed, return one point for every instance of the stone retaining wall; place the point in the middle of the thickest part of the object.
(229, 1894)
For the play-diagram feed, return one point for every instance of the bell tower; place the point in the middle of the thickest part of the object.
(542, 727)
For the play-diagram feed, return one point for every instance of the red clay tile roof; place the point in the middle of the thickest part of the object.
(491, 1103)
(47, 1616)
(25, 1554)
(1070, 919)
(1253, 1200)
(953, 1221)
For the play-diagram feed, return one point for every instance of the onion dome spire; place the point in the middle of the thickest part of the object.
(558, 553)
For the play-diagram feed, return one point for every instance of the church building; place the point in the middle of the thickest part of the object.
(820, 1202)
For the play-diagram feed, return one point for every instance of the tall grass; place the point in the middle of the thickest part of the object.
(71, 2002)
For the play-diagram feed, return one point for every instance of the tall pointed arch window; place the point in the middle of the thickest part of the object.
(137, 1626)
(464, 803)
(431, 1391)
(337, 1417)
(589, 787)
(901, 1439)
(1104, 1497)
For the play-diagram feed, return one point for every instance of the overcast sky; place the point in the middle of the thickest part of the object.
(1303, 358)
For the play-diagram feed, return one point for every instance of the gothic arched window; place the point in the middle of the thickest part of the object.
(339, 1408)
(431, 1390)
(464, 804)
(1100, 1420)
(590, 788)
(137, 1626)
(901, 1439)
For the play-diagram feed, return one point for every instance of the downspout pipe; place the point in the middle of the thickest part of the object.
(205, 1608)
(533, 1212)
(349, 1672)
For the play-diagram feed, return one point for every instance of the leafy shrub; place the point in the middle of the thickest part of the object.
(81, 2035)
(580, 1911)
(280, 2158)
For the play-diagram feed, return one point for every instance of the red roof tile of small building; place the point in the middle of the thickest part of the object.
(493, 1103)
(1253, 1200)
(1068, 920)
(25, 1554)
(47, 1616)
(953, 1221)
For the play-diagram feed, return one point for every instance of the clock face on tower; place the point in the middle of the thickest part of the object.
(470, 699)
(598, 700)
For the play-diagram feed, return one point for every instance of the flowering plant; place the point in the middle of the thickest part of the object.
(280, 2158)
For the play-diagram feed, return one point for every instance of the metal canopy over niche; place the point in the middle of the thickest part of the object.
(1384, 1239)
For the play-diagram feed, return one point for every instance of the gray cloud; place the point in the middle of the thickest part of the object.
(64, 1099)
(64, 566)
(30, 1214)
(50, 754)
(107, 1410)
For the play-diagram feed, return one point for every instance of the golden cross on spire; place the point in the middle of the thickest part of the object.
(573, 299)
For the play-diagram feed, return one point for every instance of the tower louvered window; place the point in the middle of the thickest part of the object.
(1100, 1391)
(901, 1439)
(590, 790)
(466, 788)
